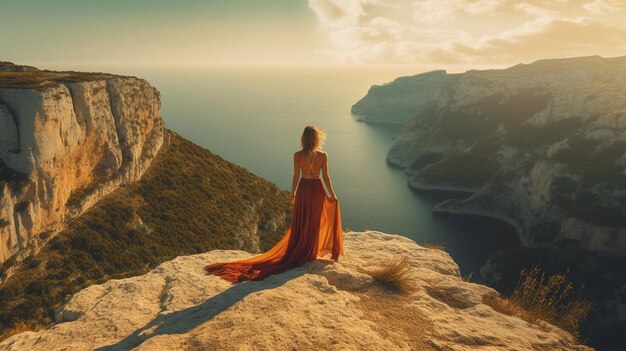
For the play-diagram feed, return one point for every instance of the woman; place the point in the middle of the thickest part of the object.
(315, 226)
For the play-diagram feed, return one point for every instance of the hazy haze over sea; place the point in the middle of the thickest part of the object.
(253, 116)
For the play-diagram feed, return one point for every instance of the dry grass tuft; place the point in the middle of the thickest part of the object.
(433, 246)
(393, 275)
(539, 296)
(467, 278)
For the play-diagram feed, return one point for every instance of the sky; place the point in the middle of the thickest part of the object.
(295, 32)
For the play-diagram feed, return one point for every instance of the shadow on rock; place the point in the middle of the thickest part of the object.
(183, 321)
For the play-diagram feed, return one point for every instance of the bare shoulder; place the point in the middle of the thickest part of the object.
(296, 155)
(324, 156)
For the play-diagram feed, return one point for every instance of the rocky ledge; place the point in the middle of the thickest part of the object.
(318, 306)
(67, 139)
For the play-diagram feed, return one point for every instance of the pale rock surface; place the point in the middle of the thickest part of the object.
(556, 147)
(318, 306)
(73, 143)
(596, 238)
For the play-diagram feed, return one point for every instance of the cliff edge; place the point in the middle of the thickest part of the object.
(541, 145)
(318, 306)
(67, 139)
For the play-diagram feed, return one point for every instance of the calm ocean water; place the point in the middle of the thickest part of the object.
(254, 117)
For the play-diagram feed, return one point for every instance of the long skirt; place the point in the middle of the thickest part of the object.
(315, 231)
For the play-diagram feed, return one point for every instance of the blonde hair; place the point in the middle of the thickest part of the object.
(312, 139)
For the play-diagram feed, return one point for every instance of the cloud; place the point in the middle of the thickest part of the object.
(435, 11)
(600, 7)
(334, 14)
(558, 38)
(536, 10)
(465, 31)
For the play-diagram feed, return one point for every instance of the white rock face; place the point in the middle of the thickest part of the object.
(74, 143)
(557, 147)
(318, 306)
(596, 238)
(400, 100)
(552, 127)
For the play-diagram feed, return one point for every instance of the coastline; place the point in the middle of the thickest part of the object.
(439, 208)
(444, 206)
(378, 123)
(446, 188)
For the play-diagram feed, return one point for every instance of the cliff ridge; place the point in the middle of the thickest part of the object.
(67, 139)
(319, 305)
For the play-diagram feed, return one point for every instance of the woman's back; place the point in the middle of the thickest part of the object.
(311, 165)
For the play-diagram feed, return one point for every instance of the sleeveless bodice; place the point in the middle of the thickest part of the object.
(309, 175)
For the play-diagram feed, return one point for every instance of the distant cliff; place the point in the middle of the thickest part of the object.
(66, 140)
(318, 306)
(542, 145)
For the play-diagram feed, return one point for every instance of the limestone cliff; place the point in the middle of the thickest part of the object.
(318, 306)
(66, 140)
(541, 145)
(188, 201)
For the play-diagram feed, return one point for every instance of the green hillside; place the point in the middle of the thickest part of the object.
(188, 201)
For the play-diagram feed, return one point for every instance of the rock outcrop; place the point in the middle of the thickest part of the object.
(66, 140)
(402, 99)
(318, 306)
(541, 145)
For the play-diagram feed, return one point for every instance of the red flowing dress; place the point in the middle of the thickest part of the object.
(315, 231)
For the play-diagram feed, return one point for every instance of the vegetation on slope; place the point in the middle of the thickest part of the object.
(539, 296)
(18, 76)
(393, 275)
(191, 200)
(468, 170)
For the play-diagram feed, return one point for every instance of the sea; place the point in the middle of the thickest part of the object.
(254, 115)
